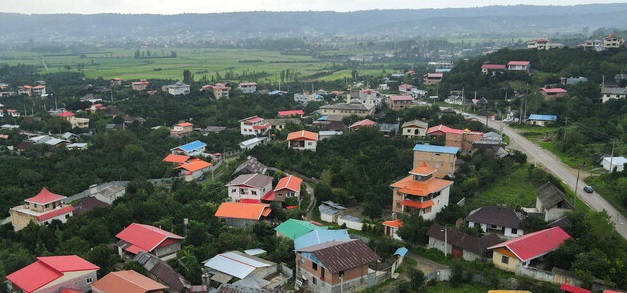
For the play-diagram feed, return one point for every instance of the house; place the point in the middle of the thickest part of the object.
(335, 265)
(319, 236)
(330, 211)
(432, 78)
(193, 148)
(303, 97)
(235, 264)
(302, 140)
(615, 93)
(39, 91)
(249, 144)
(294, 229)
(290, 113)
(572, 80)
(489, 141)
(140, 85)
(391, 228)
(327, 134)
(139, 237)
(250, 166)
(400, 103)
(25, 90)
(88, 204)
(12, 113)
(280, 123)
(221, 91)
(178, 88)
(41, 209)
(462, 139)
(552, 202)
(612, 164)
(108, 192)
(362, 123)
(420, 193)
(528, 249)
(182, 129)
(459, 244)
(541, 120)
(250, 188)
(553, 93)
(519, 66)
(493, 68)
(405, 88)
(349, 108)
(162, 272)
(500, 220)
(415, 128)
(176, 159)
(253, 125)
(52, 274)
(543, 44)
(288, 186)
(442, 158)
(116, 81)
(238, 214)
(194, 169)
(247, 87)
(127, 281)
(613, 41)
(74, 121)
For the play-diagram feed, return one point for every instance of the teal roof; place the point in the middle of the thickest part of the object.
(295, 228)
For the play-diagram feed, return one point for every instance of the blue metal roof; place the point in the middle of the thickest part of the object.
(401, 251)
(320, 236)
(436, 149)
(192, 146)
(323, 118)
(542, 117)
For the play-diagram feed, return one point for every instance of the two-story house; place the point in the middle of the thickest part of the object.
(613, 41)
(178, 88)
(553, 93)
(139, 237)
(432, 78)
(288, 186)
(74, 121)
(253, 125)
(302, 140)
(493, 68)
(182, 129)
(51, 274)
(421, 193)
(519, 66)
(251, 188)
(40, 209)
(414, 128)
(399, 103)
(247, 87)
(442, 158)
(139, 85)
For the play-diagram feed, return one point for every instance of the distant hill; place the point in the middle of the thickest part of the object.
(519, 20)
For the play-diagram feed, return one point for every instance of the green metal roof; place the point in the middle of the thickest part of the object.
(295, 228)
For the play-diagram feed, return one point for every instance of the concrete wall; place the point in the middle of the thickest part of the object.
(497, 257)
(443, 163)
(71, 280)
(350, 223)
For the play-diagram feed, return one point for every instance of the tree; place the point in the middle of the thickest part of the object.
(417, 279)
(187, 76)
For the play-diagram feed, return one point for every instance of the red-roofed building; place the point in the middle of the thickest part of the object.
(219, 90)
(573, 289)
(53, 273)
(116, 81)
(289, 113)
(553, 93)
(253, 125)
(238, 214)
(362, 123)
(404, 88)
(432, 78)
(420, 192)
(519, 66)
(176, 159)
(194, 169)
(40, 209)
(528, 249)
(150, 239)
(287, 187)
(182, 129)
(25, 90)
(127, 282)
(462, 139)
(140, 85)
(302, 140)
(74, 121)
(493, 68)
(399, 103)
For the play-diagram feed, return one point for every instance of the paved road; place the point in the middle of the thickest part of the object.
(540, 156)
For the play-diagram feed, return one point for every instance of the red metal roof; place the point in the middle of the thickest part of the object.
(493, 66)
(443, 129)
(518, 63)
(405, 86)
(401, 98)
(44, 197)
(253, 119)
(423, 170)
(55, 213)
(195, 165)
(66, 114)
(291, 113)
(47, 269)
(553, 90)
(145, 237)
(128, 282)
(184, 124)
(269, 196)
(246, 211)
(360, 123)
(418, 205)
(263, 126)
(290, 182)
(302, 135)
(66, 290)
(249, 200)
(535, 244)
(434, 75)
(573, 289)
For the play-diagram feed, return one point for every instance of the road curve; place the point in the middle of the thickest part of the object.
(550, 162)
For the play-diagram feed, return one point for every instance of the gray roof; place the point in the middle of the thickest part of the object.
(496, 215)
(338, 256)
(550, 197)
(252, 180)
(417, 123)
(252, 165)
(388, 127)
(237, 264)
(478, 245)
(281, 121)
(614, 90)
(163, 272)
(344, 106)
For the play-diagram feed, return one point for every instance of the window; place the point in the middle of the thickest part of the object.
(314, 266)
(233, 190)
(309, 143)
(90, 280)
(341, 273)
(514, 231)
(314, 281)
(254, 192)
(279, 194)
(504, 259)
(47, 205)
(321, 273)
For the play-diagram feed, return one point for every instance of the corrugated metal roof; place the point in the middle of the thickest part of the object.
(296, 228)
(542, 117)
(236, 264)
(344, 255)
(436, 149)
(320, 236)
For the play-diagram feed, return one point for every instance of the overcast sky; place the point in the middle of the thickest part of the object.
(210, 6)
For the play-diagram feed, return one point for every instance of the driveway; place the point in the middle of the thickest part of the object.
(568, 175)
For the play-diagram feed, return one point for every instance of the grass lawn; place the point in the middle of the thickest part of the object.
(610, 194)
(511, 190)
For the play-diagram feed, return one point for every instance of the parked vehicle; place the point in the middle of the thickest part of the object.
(588, 189)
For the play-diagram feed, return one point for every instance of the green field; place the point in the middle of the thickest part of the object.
(110, 63)
(513, 190)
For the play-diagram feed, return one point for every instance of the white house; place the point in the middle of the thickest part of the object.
(614, 163)
(249, 144)
(250, 188)
(501, 220)
(193, 148)
(253, 125)
(178, 88)
(303, 140)
(616, 93)
(247, 87)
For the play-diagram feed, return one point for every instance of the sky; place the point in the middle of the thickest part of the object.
(213, 6)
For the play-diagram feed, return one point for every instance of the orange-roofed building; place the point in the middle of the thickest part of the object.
(420, 193)
(194, 169)
(150, 239)
(239, 214)
(391, 228)
(51, 274)
(182, 129)
(116, 81)
(127, 282)
(287, 187)
(140, 85)
(302, 140)
(40, 209)
(176, 159)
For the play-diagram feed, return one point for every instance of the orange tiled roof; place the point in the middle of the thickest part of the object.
(195, 165)
(302, 135)
(408, 185)
(128, 281)
(290, 182)
(246, 211)
(179, 159)
(423, 169)
(395, 223)
(184, 124)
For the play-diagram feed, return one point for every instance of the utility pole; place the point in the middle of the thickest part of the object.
(612, 155)
(565, 125)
